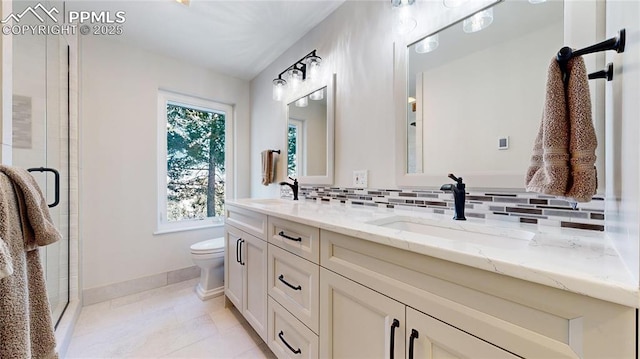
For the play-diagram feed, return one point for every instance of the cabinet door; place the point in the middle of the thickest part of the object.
(254, 260)
(357, 322)
(433, 339)
(233, 269)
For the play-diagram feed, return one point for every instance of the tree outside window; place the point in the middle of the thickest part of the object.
(195, 163)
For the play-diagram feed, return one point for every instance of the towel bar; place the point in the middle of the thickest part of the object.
(566, 53)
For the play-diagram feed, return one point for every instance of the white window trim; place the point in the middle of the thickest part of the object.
(162, 225)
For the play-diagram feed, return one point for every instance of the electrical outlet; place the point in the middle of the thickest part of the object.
(360, 179)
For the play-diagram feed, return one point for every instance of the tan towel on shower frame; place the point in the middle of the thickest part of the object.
(26, 327)
(268, 167)
(562, 163)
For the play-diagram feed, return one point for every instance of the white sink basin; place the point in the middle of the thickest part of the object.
(458, 230)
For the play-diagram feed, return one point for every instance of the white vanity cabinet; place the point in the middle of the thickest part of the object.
(330, 295)
(293, 282)
(360, 322)
(246, 266)
(507, 315)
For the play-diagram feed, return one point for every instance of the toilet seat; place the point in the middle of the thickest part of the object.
(215, 245)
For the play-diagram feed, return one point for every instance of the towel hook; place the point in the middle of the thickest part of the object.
(606, 73)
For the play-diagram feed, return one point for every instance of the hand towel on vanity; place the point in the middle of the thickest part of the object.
(268, 167)
(583, 180)
(562, 163)
(26, 327)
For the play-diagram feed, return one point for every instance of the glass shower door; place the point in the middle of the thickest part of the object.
(40, 139)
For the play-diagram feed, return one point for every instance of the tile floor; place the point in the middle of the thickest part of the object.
(168, 322)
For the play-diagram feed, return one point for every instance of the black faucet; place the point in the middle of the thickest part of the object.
(294, 187)
(459, 194)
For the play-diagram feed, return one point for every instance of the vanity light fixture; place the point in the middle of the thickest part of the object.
(427, 45)
(479, 21)
(302, 102)
(317, 95)
(305, 68)
(184, 2)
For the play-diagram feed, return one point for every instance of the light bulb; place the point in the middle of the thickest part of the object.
(278, 89)
(317, 95)
(479, 21)
(295, 77)
(428, 44)
(401, 3)
(302, 102)
(313, 66)
(453, 3)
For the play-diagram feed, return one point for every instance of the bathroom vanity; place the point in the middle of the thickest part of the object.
(332, 280)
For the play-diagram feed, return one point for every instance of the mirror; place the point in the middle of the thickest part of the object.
(310, 137)
(472, 106)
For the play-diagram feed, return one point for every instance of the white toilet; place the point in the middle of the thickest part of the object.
(209, 256)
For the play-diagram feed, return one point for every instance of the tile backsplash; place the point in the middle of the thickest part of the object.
(521, 207)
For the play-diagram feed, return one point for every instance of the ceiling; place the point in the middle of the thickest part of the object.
(238, 38)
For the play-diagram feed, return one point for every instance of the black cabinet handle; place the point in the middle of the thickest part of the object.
(241, 262)
(414, 336)
(56, 174)
(238, 250)
(295, 351)
(281, 278)
(395, 324)
(281, 234)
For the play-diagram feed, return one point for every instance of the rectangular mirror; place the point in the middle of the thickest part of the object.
(310, 136)
(472, 101)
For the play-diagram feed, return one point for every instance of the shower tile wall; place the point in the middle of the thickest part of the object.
(521, 207)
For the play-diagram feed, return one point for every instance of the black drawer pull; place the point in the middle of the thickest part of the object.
(281, 234)
(241, 262)
(238, 250)
(295, 351)
(281, 278)
(414, 336)
(395, 324)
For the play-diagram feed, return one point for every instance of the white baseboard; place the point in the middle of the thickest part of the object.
(116, 290)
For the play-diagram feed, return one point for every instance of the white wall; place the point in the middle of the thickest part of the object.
(623, 129)
(118, 173)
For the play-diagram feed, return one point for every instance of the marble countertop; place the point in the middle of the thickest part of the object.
(578, 261)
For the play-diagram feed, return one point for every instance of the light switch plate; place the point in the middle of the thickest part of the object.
(360, 179)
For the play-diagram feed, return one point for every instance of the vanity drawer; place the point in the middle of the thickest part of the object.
(251, 222)
(287, 336)
(294, 283)
(297, 238)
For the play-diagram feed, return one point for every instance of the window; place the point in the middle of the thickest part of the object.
(193, 163)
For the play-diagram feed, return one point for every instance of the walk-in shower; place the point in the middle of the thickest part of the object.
(41, 139)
